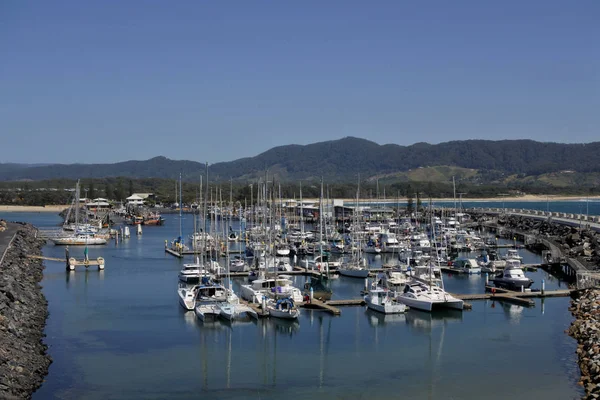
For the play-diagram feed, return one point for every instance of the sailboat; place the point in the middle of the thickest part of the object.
(78, 237)
(427, 296)
(318, 285)
(356, 267)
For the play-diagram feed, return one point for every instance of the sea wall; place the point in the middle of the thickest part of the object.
(583, 244)
(23, 312)
(586, 330)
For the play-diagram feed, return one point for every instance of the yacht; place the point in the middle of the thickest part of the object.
(513, 254)
(238, 264)
(270, 287)
(231, 309)
(512, 277)
(80, 239)
(191, 273)
(383, 301)
(425, 297)
(466, 266)
(390, 243)
(206, 291)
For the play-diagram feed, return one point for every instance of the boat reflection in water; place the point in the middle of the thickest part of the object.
(513, 312)
(287, 327)
(378, 319)
(425, 321)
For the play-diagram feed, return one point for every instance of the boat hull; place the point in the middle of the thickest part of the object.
(354, 273)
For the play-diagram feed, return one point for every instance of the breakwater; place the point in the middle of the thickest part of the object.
(23, 312)
(586, 330)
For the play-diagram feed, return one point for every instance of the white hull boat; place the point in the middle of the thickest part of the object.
(383, 301)
(78, 240)
(283, 308)
(422, 297)
(354, 272)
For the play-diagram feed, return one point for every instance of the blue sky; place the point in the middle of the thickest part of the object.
(214, 81)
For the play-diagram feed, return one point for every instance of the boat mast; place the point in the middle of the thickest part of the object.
(180, 207)
(205, 231)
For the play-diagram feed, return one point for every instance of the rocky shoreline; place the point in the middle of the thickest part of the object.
(24, 360)
(586, 330)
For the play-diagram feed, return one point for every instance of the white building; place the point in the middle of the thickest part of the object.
(135, 200)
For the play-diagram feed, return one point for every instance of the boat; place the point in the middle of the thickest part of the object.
(153, 219)
(283, 308)
(513, 254)
(354, 269)
(191, 273)
(512, 277)
(79, 239)
(270, 287)
(238, 264)
(425, 297)
(126, 233)
(207, 291)
(383, 301)
(318, 287)
(466, 265)
(139, 230)
(282, 250)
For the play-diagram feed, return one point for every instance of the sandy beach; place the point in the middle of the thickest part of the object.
(52, 208)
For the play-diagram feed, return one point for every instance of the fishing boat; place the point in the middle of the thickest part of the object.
(283, 308)
(383, 301)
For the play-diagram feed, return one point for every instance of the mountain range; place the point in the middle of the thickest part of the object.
(482, 161)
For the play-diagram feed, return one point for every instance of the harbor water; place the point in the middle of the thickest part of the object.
(121, 334)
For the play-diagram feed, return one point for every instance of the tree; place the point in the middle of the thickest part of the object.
(410, 204)
(130, 187)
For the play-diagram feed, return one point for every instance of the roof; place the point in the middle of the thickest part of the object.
(134, 197)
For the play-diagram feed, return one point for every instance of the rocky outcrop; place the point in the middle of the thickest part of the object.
(586, 330)
(23, 312)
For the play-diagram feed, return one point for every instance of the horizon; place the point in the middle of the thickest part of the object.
(220, 82)
(264, 151)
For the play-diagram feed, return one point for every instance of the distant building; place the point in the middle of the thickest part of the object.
(144, 196)
(135, 200)
(98, 204)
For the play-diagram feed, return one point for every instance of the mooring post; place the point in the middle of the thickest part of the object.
(311, 294)
(486, 279)
(543, 286)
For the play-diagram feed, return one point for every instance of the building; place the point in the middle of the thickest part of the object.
(135, 200)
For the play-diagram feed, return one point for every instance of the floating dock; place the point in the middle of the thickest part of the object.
(71, 262)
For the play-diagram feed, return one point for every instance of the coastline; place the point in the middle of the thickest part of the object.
(506, 199)
(48, 208)
(25, 359)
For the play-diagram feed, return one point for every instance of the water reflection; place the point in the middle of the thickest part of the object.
(425, 322)
(378, 319)
(513, 312)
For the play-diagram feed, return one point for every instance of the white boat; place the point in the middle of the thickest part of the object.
(192, 272)
(139, 229)
(207, 311)
(425, 297)
(270, 287)
(126, 233)
(80, 239)
(283, 264)
(282, 250)
(354, 269)
(238, 264)
(283, 308)
(322, 263)
(383, 301)
(206, 292)
(513, 254)
(466, 266)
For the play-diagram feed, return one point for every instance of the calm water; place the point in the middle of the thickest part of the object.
(121, 334)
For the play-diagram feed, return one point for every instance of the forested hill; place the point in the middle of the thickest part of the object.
(343, 160)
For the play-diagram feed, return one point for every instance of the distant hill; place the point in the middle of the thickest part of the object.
(344, 159)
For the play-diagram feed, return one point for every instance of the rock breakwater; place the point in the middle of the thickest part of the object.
(586, 330)
(23, 312)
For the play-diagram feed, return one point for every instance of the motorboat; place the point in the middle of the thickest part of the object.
(238, 264)
(206, 291)
(79, 239)
(283, 308)
(513, 254)
(425, 297)
(466, 265)
(270, 287)
(512, 277)
(382, 300)
(191, 273)
(282, 250)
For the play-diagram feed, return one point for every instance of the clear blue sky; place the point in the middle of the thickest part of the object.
(212, 81)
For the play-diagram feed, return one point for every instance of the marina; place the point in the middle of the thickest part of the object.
(140, 258)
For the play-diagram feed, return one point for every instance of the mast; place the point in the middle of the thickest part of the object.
(180, 208)
(205, 230)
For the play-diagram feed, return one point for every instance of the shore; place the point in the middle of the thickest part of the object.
(507, 199)
(49, 208)
(24, 360)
